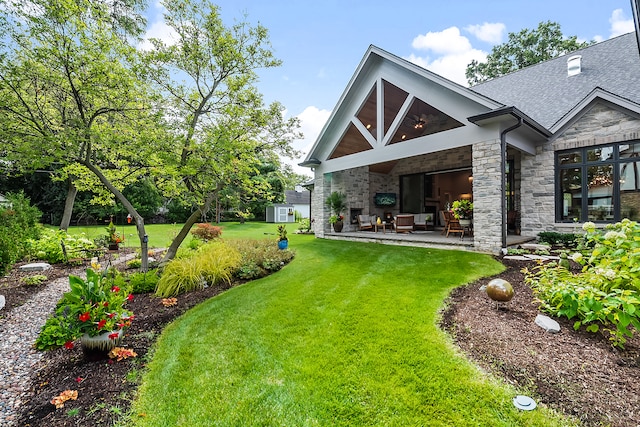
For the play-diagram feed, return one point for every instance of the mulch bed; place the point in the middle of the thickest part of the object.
(577, 373)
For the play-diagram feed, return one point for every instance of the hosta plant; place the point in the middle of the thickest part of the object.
(605, 295)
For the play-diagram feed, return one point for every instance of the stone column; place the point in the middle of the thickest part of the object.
(487, 219)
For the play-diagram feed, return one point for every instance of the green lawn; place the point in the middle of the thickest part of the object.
(345, 335)
(161, 235)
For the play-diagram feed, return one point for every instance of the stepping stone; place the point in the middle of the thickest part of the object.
(535, 247)
(2, 302)
(547, 323)
(36, 266)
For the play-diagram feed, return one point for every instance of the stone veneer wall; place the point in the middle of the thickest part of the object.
(487, 199)
(602, 124)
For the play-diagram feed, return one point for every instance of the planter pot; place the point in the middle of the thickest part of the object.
(337, 226)
(283, 244)
(465, 222)
(98, 347)
(114, 246)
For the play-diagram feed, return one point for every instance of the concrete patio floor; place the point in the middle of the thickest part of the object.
(427, 239)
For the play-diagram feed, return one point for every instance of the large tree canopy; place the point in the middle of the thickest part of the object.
(221, 127)
(528, 47)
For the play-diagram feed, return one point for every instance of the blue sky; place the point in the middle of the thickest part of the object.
(321, 42)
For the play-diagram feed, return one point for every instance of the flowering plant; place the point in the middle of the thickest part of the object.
(282, 233)
(92, 307)
(112, 235)
(462, 209)
(335, 218)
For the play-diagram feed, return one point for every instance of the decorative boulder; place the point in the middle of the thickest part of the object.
(499, 290)
(2, 302)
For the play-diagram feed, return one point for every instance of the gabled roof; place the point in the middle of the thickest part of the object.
(297, 197)
(548, 95)
(369, 65)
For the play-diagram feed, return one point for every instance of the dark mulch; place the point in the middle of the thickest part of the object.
(577, 373)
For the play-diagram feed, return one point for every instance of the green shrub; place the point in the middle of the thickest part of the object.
(142, 283)
(134, 263)
(36, 280)
(259, 258)
(304, 225)
(18, 223)
(212, 263)
(49, 248)
(606, 292)
(570, 240)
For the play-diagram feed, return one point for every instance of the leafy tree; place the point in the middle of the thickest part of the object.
(220, 123)
(71, 95)
(528, 47)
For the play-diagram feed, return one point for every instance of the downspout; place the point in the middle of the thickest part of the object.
(503, 179)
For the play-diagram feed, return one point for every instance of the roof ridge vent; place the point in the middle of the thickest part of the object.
(574, 65)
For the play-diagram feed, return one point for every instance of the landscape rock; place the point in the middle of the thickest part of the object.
(36, 266)
(2, 302)
(535, 247)
(547, 323)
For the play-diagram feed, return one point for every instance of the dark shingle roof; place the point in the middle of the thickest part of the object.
(297, 198)
(545, 92)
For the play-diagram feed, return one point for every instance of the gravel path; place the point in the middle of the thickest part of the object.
(19, 329)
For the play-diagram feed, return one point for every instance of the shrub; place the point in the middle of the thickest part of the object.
(304, 225)
(570, 240)
(607, 290)
(134, 263)
(142, 283)
(206, 232)
(48, 247)
(259, 258)
(212, 263)
(18, 223)
(36, 280)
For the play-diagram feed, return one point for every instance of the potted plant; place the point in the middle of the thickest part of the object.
(92, 311)
(283, 241)
(336, 203)
(463, 211)
(113, 237)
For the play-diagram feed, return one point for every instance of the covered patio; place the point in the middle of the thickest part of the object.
(419, 238)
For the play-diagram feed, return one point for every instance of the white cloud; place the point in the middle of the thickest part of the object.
(453, 53)
(312, 120)
(448, 41)
(158, 30)
(620, 24)
(488, 32)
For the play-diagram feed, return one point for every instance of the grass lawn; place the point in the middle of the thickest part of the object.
(345, 335)
(161, 235)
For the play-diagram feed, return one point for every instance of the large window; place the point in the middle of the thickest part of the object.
(599, 184)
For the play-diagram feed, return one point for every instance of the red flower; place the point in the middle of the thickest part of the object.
(113, 336)
(106, 304)
(115, 289)
(68, 345)
(84, 317)
(111, 315)
(79, 379)
(101, 324)
(130, 297)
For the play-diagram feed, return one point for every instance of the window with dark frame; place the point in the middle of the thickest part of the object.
(598, 183)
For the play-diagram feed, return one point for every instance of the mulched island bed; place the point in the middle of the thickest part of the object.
(577, 373)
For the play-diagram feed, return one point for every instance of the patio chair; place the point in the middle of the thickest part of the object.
(453, 225)
(366, 222)
(404, 224)
(444, 218)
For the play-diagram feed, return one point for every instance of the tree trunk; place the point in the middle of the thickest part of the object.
(68, 205)
(142, 235)
(184, 231)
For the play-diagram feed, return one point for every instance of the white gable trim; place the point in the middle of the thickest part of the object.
(596, 95)
(370, 62)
